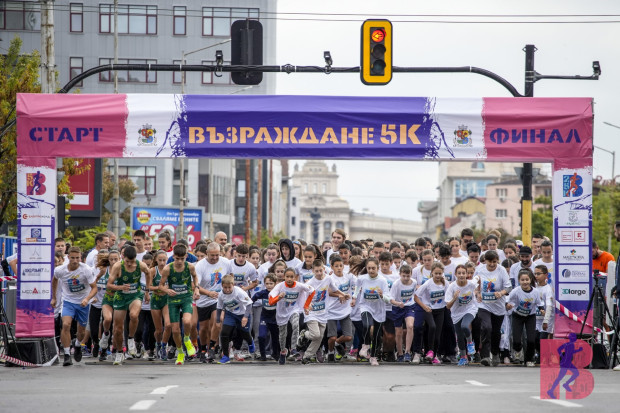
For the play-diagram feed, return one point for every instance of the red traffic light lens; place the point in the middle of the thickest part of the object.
(377, 35)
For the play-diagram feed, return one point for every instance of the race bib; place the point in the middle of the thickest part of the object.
(488, 297)
(437, 296)
(75, 286)
(133, 288)
(465, 299)
(179, 288)
(371, 295)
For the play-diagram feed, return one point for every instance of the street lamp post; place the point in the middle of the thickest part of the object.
(613, 180)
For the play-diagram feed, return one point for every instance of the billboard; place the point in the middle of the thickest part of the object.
(154, 220)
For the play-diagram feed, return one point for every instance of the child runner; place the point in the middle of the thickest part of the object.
(107, 309)
(389, 331)
(288, 296)
(546, 250)
(544, 321)
(287, 252)
(344, 250)
(304, 269)
(268, 325)
(463, 310)
(448, 344)
(181, 289)
(339, 309)
(493, 287)
(316, 311)
(237, 306)
(431, 298)
(159, 305)
(402, 291)
(373, 294)
(525, 299)
(94, 316)
(455, 251)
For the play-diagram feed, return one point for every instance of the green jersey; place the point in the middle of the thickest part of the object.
(131, 278)
(180, 282)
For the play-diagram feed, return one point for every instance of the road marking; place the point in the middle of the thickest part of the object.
(143, 405)
(163, 390)
(476, 383)
(563, 403)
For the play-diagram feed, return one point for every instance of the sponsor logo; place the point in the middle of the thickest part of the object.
(574, 292)
(462, 136)
(577, 218)
(573, 255)
(147, 135)
(143, 216)
(573, 236)
(573, 274)
(535, 136)
(35, 183)
(35, 272)
(571, 185)
(35, 291)
(52, 134)
(36, 235)
(563, 364)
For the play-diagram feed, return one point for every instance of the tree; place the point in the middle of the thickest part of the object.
(605, 212)
(542, 218)
(126, 189)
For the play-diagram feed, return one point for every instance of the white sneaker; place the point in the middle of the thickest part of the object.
(416, 359)
(118, 359)
(373, 361)
(131, 348)
(364, 351)
(530, 364)
(617, 368)
(103, 343)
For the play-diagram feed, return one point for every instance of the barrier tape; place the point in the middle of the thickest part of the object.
(8, 278)
(574, 317)
(22, 363)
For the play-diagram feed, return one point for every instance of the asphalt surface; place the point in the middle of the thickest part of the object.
(140, 385)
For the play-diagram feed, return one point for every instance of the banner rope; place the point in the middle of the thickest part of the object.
(575, 318)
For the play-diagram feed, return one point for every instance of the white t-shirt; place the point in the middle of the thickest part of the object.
(263, 269)
(292, 300)
(236, 302)
(337, 310)
(550, 269)
(140, 255)
(421, 275)
(210, 278)
(500, 254)
(465, 303)
(403, 293)
(75, 283)
(90, 258)
(367, 294)
(318, 305)
(243, 274)
(448, 271)
(547, 300)
(514, 272)
(459, 260)
(102, 282)
(305, 274)
(491, 282)
(525, 303)
(464, 253)
(293, 263)
(433, 295)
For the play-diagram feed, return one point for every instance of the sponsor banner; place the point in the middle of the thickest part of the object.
(35, 272)
(574, 273)
(153, 125)
(154, 220)
(36, 212)
(574, 292)
(572, 236)
(573, 255)
(35, 291)
(36, 235)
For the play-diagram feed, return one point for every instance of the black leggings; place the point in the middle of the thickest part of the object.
(227, 333)
(94, 318)
(490, 331)
(529, 322)
(371, 339)
(434, 321)
(359, 329)
(447, 346)
(145, 333)
(264, 331)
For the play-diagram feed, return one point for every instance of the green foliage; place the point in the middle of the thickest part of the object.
(605, 212)
(126, 189)
(542, 217)
(85, 238)
(265, 239)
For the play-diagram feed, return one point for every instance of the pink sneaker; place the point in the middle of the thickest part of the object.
(436, 361)
(430, 356)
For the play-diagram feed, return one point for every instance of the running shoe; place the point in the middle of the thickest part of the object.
(263, 358)
(507, 361)
(429, 356)
(252, 347)
(320, 357)
(331, 358)
(282, 358)
(463, 361)
(103, 343)
(450, 360)
(151, 355)
(172, 351)
(210, 355)
(131, 344)
(306, 360)
(416, 358)
(67, 361)
(103, 355)
(361, 359)
(364, 351)
(477, 358)
(374, 361)
(237, 356)
(494, 360)
(86, 351)
(191, 350)
(302, 341)
(340, 351)
(400, 359)
(407, 358)
(530, 364)
(224, 360)
(519, 356)
(436, 361)
(203, 356)
(180, 358)
(77, 353)
(163, 354)
(293, 356)
(118, 358)
(485, 361)
(471, 348)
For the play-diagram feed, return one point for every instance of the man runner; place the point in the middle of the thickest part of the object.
(182, 281)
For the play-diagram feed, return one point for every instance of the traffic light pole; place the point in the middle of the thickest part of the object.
(526, 199)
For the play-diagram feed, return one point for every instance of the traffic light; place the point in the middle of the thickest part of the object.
(246, 49)
(376, 57)
(62, 206)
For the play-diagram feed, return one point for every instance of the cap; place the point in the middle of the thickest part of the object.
(525, 250)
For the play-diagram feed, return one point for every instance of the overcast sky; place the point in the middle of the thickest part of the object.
(394, 188)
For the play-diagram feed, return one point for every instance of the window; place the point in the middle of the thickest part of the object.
(177, 77)
(464, 188)
(477, 166)
(302, 229)
(547, 191)
(241, 188)
(293, 220)
(520, 192)
(241, 214)
(76, 68)
(209, 78)
(179, 20)
(501, 192)
(76, 18)
(216, 21)
(501, 213)
(305, 188)
(143, 176)
(20, 15)
(133, 76)
(294, 201)
(131, 19)
(340, 224)
(324, 188)
(314, 188)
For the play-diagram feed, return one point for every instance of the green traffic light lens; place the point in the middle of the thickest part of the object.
(378, 68)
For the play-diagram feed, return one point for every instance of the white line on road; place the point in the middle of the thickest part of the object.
(143, 405)
(476, 383)
(163, 390)
(563, 403)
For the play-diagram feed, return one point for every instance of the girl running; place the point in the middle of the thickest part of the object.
(463, 309)
(431, 298)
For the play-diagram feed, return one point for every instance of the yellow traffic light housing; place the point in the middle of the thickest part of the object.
(376, 56)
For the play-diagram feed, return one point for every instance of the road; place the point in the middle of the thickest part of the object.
(163, 387)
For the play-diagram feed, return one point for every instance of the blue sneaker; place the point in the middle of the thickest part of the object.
(282, 358)
(400, 359)
(224, 360)
(471, 348)
(251, 347)
(463, 361)
(163, 354)
(407, 358)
